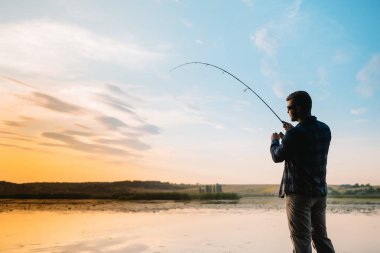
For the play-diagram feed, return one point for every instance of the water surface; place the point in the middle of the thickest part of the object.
(153, 227)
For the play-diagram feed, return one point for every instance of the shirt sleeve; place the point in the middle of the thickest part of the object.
(281, 151)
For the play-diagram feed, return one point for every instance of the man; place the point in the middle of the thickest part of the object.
(304, 149)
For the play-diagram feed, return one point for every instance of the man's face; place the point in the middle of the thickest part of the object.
(292, 110)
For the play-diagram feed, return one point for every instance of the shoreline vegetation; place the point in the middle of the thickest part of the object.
(156, 190)
(130, 196)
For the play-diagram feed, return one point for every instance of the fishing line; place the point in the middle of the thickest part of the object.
(225, 71)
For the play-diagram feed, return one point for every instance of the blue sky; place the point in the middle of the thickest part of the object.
(88, 94)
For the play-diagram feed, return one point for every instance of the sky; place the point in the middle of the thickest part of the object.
(87, 91)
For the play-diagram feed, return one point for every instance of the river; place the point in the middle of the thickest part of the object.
(253, 225)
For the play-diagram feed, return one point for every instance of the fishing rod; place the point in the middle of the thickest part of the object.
(225, 71)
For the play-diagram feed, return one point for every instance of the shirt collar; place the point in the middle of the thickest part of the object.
(308, 120)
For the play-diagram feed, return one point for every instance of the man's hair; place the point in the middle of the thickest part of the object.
(302, 99)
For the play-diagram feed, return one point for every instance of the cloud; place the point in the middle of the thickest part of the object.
(54, 48)
(115, 89)
(173, 111)
(7, 78)
(27, 118)
(82, 126)
(7, 132)
(14, 146)
(135, 144)
(192, 107)
(13, 135)
(95, 126)
(341, 57)
(104, 119)
(25, 121)
(111, 123)
(322, 76)
(322, 84)
(268, 67)
(14, 123)
(199, 42)
(72, 143)
(55, 104)
(252, 130)
(361, 121)
(212, 123)
(148, 128)
(267, 39)
(248, 3)
(79, 133)
(369, 77)
(264, 40)
(187, 23)
(117, 104)
(293, 11)
(17, 138)
(278, 89)
(323, 95)
(358, 111)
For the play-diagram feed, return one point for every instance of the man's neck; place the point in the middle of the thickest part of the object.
(303, 117)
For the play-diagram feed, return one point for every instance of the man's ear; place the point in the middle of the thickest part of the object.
(298, 109)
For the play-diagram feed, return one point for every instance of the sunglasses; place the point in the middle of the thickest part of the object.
(291, 107)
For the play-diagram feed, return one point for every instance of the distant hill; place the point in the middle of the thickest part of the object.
(161, 190)
(253, 190)
(355, 191)
(85, 190)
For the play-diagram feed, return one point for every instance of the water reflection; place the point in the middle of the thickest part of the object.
(171, 227)
(368, 206)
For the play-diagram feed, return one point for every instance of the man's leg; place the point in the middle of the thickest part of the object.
(298, 210)
(318, 231)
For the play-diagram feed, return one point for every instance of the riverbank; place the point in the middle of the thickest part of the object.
(335, 205)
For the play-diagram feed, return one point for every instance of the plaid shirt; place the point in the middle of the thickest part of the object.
(304, 149)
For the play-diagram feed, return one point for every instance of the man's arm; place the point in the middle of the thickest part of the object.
(280, 151)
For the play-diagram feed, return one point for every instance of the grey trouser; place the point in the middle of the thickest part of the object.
(307, 221)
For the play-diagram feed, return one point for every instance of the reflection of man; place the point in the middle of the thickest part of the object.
(304, 149)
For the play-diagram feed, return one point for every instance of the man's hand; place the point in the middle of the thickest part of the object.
(287, 126)
(275, 136)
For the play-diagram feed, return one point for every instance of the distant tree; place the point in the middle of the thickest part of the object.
(333, 191)
(218, 188)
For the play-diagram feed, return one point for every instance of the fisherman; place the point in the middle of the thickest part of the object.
(304, 149)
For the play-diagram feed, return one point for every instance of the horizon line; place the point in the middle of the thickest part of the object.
(79, 182)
